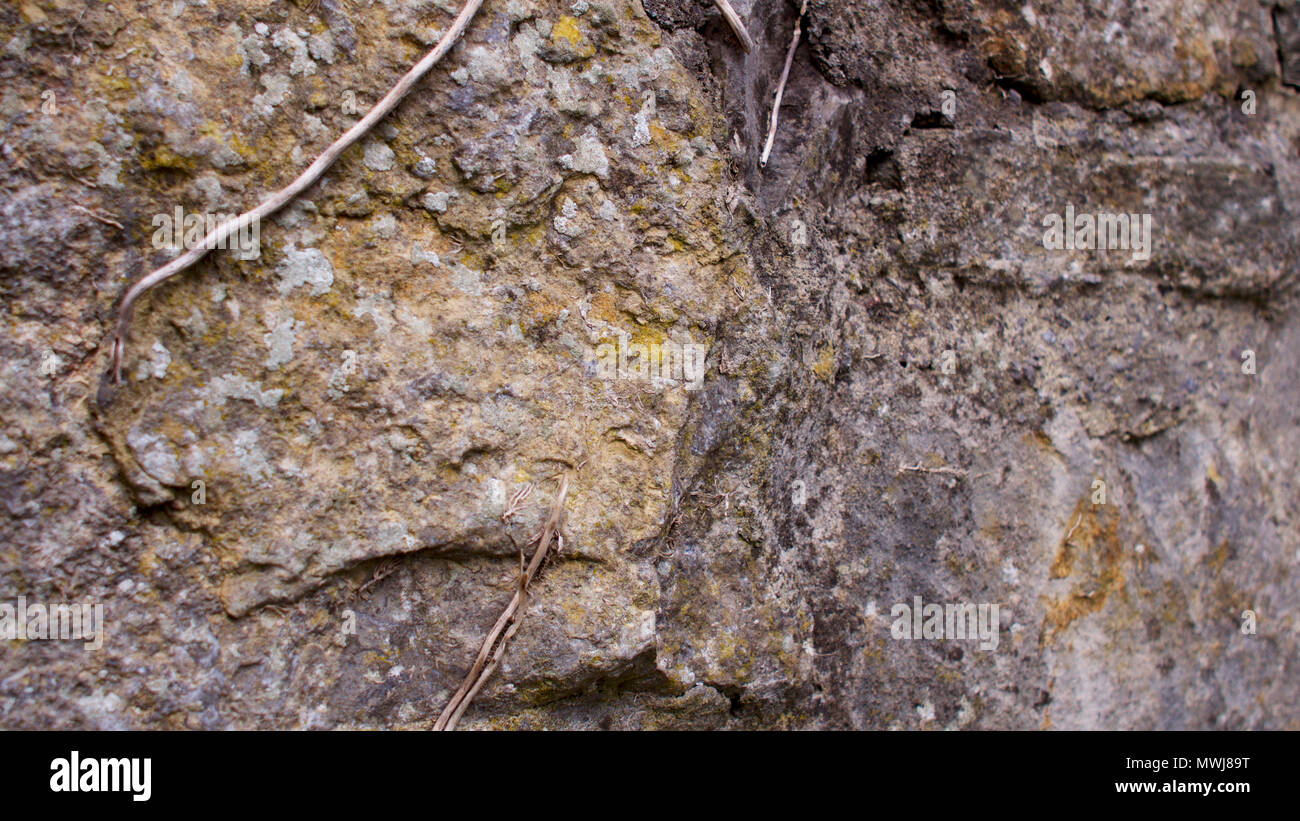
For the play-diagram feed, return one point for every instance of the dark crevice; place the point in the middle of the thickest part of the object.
(735, 695)
(931, 119)
(882, 169)
(1286, 33)
(1026, 90)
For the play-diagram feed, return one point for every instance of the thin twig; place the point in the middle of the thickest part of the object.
(382, 571)
(780, 86)
(285, 195)
(737, 25)
(947, 471)
(517, 501)
(494, 646)
(99, 217)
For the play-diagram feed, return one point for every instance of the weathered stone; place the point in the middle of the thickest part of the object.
(293, 509)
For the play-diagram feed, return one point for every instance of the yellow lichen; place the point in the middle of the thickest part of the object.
(825, 362)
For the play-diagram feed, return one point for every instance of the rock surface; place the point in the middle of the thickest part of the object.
(292, 510)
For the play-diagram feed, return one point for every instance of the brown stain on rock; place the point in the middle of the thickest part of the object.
(1093, 553)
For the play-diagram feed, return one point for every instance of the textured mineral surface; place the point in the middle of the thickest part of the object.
(305, 505)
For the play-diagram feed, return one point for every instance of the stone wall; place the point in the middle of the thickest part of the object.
(292, 510)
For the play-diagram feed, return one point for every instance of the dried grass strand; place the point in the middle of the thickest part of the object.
(494, 645)
(780, 86)
(737, 25)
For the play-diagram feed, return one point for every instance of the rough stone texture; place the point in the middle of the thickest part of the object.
(414, 345)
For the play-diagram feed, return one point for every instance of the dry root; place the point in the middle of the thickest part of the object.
(494, 646)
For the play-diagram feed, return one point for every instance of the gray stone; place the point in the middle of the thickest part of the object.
(909, 392)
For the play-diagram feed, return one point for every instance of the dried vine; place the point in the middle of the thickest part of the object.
(494, 646)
